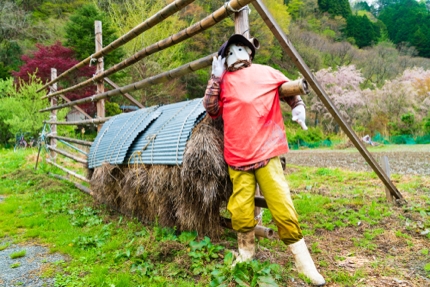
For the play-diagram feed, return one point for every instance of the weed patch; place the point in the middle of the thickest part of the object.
(17, 254)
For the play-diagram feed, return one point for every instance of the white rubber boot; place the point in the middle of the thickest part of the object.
(305, 264)
(246, 244)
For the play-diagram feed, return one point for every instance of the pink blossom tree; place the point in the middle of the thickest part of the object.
(343, 87)
(406, 94)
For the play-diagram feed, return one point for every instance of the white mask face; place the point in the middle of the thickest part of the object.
(237, 53)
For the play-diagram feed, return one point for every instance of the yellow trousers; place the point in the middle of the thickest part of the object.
(275, 190)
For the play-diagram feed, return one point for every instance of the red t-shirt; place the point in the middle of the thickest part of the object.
(253, 124)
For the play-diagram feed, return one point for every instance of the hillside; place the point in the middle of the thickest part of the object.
(377, 78)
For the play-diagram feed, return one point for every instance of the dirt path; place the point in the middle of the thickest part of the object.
(405, 159)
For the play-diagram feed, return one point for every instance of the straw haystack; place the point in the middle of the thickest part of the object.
(187, 196)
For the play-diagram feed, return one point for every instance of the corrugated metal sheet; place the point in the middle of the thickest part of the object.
(117, 134)
(155, 135)
(163, 142)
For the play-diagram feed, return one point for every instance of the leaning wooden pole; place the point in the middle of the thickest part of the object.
(133, 33)
(79, 186)
(209, 21)
(307, 74)
(68, 171)
(158, 79)
(126, 95)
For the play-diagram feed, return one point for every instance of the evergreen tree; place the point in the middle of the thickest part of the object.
(408, 21)
(80, 34)
(362, 30)
(335, 8)
(10, 53)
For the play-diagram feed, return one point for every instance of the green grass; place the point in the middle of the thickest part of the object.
(4, 246)
(104, 248)
(18, 254)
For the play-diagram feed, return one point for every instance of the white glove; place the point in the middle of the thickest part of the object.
(218, 67)
(299, 116)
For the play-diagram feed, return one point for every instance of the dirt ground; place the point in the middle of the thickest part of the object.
(403, 159)
(399, 254)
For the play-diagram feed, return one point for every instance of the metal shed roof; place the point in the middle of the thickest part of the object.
(155, 135)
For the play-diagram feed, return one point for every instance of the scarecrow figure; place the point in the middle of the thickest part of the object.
(247, 97)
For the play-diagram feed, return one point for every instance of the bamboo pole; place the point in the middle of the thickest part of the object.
(187, 33)
(68, 171)
(66, 154)
(84, 122)
(79, 186)
(260, 231)
(307, 74)
(158, 79)
(164, 13)
(72, 140)
(126, 95)
(53, 117)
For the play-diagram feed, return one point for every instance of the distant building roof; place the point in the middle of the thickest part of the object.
(155, 135)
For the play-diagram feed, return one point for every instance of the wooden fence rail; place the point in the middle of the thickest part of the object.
(73, 123)
(158, 79)
(72, 140)
(69, 155)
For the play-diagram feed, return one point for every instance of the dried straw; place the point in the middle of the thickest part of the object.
(188, 196)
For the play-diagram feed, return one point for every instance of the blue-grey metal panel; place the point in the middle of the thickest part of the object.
(117, 134)
(163, 142)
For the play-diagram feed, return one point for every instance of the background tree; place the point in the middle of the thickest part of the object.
(55, 9)
(10, 53)
(14, 23)
(61, 58)
(339, 7)
(343, 88)
(392, 104)
(131, 13)
(408, 21)
(81, 38)
(364, 32)
(19, 108)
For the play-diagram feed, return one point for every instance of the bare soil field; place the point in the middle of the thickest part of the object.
(395, 259)
(403, 159)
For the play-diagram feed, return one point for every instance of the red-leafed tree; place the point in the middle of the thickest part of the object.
(61, 58)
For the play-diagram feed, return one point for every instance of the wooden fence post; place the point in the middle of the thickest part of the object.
(100, 68)
(241, 26)
(241, 22)
(53, 141)
(386, 168)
